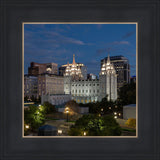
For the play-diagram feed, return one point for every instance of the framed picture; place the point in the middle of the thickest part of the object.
(86, 96)
(21, 23)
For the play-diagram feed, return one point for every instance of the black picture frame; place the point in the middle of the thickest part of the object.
(13, 146)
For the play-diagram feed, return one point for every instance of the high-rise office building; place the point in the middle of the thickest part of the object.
(40, 68)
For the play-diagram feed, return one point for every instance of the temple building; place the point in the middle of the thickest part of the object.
(43, 81)
(90, 90)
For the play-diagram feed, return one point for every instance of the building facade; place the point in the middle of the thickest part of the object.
(91, 76)
(39, 68)
(91, 90)
(30, 86)
(59, 99)
(122, 67)
(50, 84)
(133, 79)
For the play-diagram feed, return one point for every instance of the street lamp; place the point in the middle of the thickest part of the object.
(101, 111)
(59, 132)
(27, 126)
(67, 111)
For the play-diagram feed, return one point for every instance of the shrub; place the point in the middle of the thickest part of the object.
(131, 122)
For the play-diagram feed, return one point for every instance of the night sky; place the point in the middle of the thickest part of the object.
(45, 43)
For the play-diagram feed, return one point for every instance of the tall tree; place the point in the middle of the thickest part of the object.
(127, 94)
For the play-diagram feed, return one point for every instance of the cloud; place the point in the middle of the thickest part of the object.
(52, 36)
(128, 34)
(112, 47)
(71, 40)
(120, 43)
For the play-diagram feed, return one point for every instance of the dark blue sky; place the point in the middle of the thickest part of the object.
(44, 43)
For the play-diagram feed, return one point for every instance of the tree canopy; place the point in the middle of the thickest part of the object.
(34, 117)
(49, 108)
(94, 125)
(127, 94)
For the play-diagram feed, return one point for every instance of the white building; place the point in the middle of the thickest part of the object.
(58, 99)
(129, 111)
(85, 91)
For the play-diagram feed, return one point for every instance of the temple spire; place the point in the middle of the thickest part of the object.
(74, 59)
(108, 59)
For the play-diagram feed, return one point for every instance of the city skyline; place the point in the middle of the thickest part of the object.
(45, 43)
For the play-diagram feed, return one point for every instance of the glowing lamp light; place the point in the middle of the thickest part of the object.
(115, 113)
(119, 114)
(115, 117)
(109, 107)
(60, 131)
(102, 109)
(27, 126)
(84, 133)
(67, 111)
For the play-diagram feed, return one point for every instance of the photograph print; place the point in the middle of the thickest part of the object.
(79, 79)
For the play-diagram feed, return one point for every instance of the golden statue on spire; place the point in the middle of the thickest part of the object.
(74, 59)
